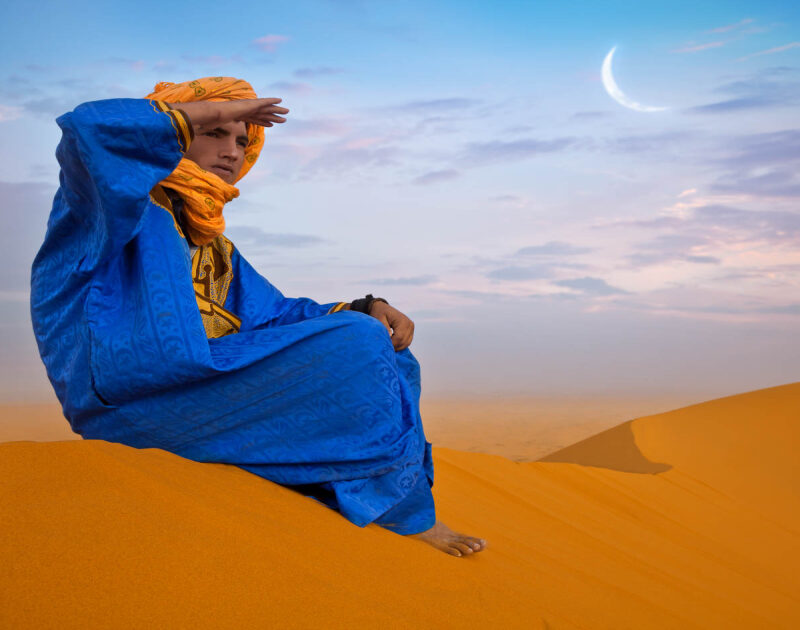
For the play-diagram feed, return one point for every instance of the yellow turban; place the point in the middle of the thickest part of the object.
(204, 193)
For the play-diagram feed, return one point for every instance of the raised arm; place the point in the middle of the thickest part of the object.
(112, 154)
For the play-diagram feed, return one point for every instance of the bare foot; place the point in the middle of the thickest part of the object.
(445, 539)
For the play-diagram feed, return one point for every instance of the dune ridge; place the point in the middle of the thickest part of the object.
(686, 519)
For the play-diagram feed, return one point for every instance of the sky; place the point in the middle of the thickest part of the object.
(465, 161)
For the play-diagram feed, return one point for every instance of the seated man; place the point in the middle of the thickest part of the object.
(157, 333)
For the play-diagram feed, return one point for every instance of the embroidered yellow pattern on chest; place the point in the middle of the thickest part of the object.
(212, 272)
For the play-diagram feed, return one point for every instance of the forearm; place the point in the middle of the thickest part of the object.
(207, 115)
(203, 115)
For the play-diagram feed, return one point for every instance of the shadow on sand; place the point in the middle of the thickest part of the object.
(614, 449)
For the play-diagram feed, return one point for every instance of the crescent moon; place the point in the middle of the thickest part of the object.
(614, 92)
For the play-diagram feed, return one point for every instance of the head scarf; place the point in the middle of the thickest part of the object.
(204, 193)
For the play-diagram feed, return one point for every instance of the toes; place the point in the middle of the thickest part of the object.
(463, 548)
(476, 543)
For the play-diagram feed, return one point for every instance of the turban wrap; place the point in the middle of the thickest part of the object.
(204, 193)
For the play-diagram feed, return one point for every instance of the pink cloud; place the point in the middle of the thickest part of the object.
(295, 87)
(269, 43)
(730, 27)
(771, 51)
(9, 112)
(700, 47)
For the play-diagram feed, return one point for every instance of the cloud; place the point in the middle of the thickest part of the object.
(212, 60)
(594, 115)
(10, 112)
(256, 240)
(647, 142)
(774, 87)
(788, 309)
(432, 125)
(294, 87)
(53, 98)
(553, 248)
(590, 286)
(317, 71)
(759, 149)
(703, 260)
(350, 156)
(137, 65)
(487, 297)
(771, 51)
(270, 43)
(701, 232)
(730, 27)
(776, 182)
(774, 226)
(499, 151)
(407, 281)
(26, 207)
(518, 129)
(434, 105)
(434, 177)
(316, 127)
(50, 106)
(733, 225)
(667, 248)
(532, 272)
(512, 199)
(698, 48)
(763, 164)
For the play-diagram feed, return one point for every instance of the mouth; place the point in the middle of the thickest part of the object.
(221, 169)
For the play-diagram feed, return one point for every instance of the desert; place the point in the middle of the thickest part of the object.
(682, 519)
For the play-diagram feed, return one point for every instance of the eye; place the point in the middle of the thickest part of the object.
(212, 134)
(242, 143)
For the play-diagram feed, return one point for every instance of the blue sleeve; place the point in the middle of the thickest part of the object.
(112, 154)
(259, 304)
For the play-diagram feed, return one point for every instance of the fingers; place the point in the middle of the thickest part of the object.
(266, 117)
(261, 111)
(403, 332)
(382, 319)
(208, 114)
(400, 327)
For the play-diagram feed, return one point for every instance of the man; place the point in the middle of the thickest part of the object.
(157, 333)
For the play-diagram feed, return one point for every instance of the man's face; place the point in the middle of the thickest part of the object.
(220, 150)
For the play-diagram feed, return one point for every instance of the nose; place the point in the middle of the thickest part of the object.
(230, 149)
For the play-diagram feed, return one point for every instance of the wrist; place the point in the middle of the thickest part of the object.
(374, 302)
(364, 305)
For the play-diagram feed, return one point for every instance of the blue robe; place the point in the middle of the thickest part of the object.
(312, 400)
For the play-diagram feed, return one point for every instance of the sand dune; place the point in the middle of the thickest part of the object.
(687, 519)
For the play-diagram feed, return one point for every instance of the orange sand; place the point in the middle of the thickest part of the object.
(687, 519)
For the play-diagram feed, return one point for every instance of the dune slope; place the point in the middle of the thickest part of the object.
(681, 520)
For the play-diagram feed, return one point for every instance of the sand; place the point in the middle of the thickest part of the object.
(684, 519)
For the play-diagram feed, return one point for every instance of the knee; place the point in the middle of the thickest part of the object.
(369, 331)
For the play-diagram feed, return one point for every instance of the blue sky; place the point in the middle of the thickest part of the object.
(466, 162)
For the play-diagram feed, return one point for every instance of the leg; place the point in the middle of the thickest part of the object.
(333, 408)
